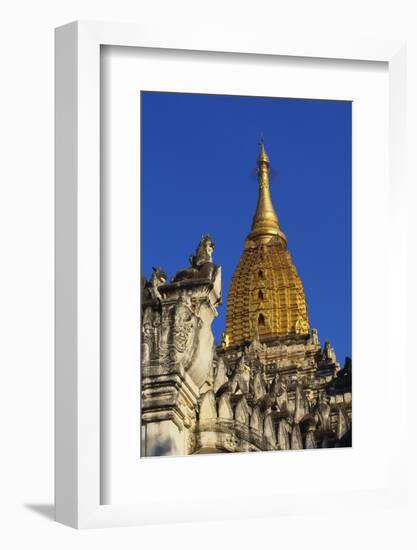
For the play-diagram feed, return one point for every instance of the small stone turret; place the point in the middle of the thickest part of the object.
(177, 350)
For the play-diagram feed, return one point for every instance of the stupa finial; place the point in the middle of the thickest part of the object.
(265, 221)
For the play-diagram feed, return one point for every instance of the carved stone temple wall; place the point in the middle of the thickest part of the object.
(178, 350)
(269, 385)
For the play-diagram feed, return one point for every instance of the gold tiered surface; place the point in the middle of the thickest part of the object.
(266, 295)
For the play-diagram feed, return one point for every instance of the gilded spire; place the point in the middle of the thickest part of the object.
(263, 157)
(265, 222)
(266, 297)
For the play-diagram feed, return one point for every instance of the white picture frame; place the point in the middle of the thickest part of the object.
(78, 501)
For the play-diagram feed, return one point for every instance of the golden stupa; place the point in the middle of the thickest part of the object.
(266, 297)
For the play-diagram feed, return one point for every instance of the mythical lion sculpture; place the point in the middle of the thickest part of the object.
(150, 289)
(201, 263)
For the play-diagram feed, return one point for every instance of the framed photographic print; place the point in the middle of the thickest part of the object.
(221, 215)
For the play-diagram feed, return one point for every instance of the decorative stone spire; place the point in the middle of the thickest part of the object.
(266, 297)
(265, 221)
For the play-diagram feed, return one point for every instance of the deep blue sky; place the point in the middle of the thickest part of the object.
(198, 176)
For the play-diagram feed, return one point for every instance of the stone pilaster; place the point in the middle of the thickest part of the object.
(169, 402)
(177, 354)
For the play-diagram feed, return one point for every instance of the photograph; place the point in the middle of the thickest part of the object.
(246, 261)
